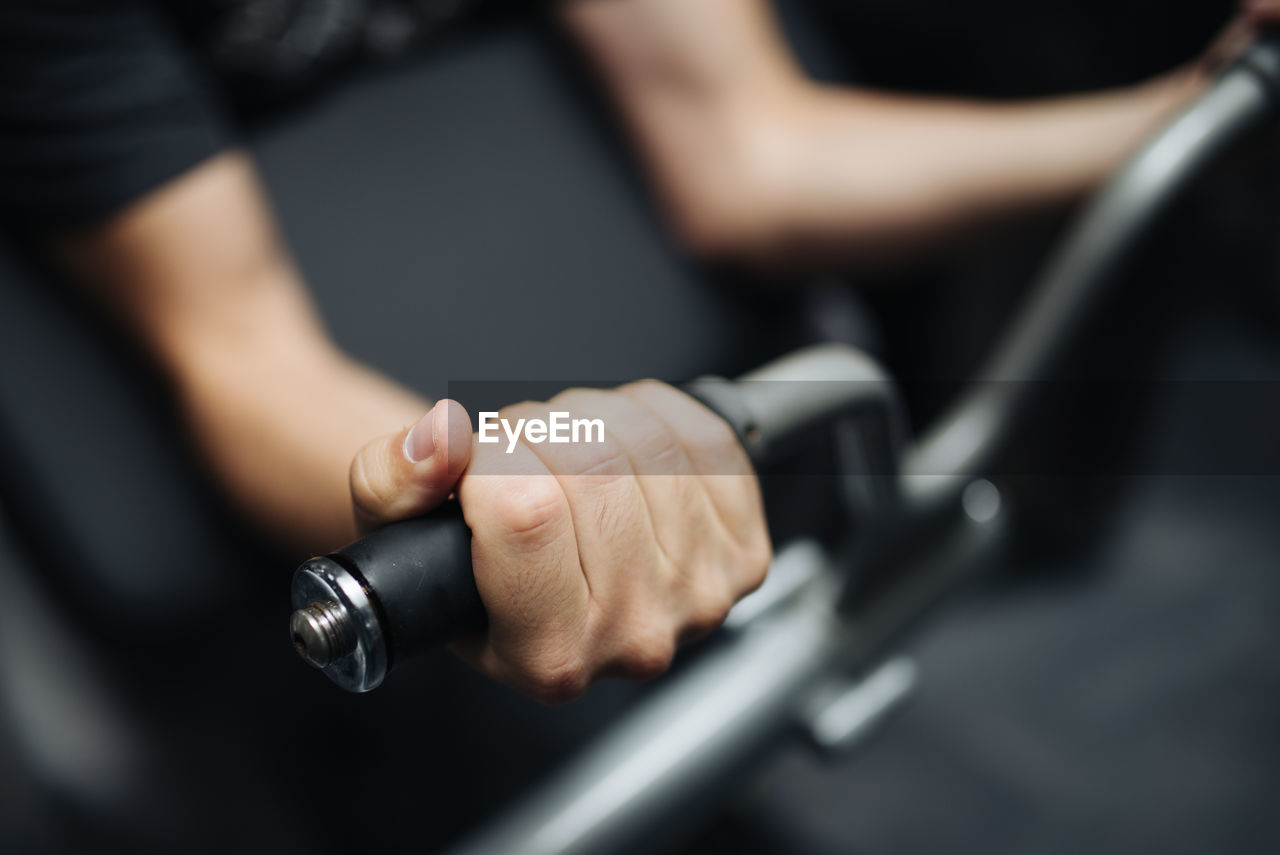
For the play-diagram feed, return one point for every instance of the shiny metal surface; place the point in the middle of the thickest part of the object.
(657, 762)
(335, 628)
(321, 633)
(664, 762)
(339, 624)
(793, 570)
(648, 768)
(846, 712)
(827, 384)
(650, 771)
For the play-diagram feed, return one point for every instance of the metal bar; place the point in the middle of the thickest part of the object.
(658, 760)
(656, 770)
(968, 439)
(645, 774)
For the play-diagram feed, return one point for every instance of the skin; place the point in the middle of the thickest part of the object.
(756, 163)
(591, 560)
(282, 416)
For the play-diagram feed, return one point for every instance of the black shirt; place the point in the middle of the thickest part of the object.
(104, 100)
(99, 102)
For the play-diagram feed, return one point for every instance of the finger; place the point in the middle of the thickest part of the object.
(528, 573)
(712, 449)
(1262, 11)
(725, 473)
(407, 473)
(680, 512)
(616, 541)
(1233, 40)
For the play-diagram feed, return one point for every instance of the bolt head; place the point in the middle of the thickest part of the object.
(320, 633)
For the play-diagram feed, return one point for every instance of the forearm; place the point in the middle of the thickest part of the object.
(755, 162)
(851, 176)
(197, 272)
(279, 429)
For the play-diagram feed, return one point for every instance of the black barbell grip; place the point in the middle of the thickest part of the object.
(418, 573)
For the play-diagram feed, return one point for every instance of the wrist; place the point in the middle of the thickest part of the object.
(1170, 93)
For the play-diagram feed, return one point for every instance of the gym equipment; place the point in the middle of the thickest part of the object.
(788, 652)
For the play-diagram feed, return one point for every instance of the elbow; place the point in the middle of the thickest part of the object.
(727, 191)
(737, 220)
(707, 232)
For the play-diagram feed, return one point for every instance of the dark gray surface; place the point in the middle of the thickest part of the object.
(469, 218)
(463, 217)
(96, 474)
(1125, 700)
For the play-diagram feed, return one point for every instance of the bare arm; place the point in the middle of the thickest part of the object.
(585, 569)
(755, 162)
(197, 270)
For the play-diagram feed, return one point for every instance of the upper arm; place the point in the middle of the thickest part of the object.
(113, 149)
(663, 50)
(196, 268)
(707, 90)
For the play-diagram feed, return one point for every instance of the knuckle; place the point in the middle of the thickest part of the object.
(646, 655)
(700, 626)
(658, 447)
(558, 680)
(527, 505)
(720, 607)
(578, 396)
(709, 612)
(647, 386)
(525, 408)
(605, 464)
(757, 558)
(604, 458)
(711, 435)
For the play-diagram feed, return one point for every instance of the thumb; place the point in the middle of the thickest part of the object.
(407, 473)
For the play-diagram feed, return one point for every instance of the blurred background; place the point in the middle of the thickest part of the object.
(1113, 689)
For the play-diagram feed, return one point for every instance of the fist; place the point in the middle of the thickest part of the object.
(593, 557)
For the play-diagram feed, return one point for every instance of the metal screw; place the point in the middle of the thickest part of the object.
(321, 633)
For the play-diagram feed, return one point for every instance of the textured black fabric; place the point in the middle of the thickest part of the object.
(104, 100)
(97, 105)
(264, 51)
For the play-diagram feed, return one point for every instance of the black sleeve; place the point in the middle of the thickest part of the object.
(98, 105)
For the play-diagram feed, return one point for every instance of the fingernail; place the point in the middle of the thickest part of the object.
(420, 441)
